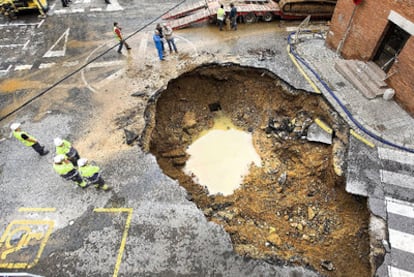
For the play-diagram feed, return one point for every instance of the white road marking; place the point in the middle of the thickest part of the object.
(5, 71)
(11, 45)
(395, 155)
(111, 77)
(70, 64)
(397, 179)
(104, 64)
(18, 24)
(46, 65)
(41, 22)
(114, 6)
(399, 207)
(396, 272)
(402, 241)
(58, 53)
(26, 44)
(78, 10)
(23, 67)
(96, 9)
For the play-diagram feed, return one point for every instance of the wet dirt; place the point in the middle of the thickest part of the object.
(292, 210)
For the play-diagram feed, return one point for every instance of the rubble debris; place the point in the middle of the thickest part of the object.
(266, 197)
(319, 133)
(328, 265)
(138, 94)
(130, 137)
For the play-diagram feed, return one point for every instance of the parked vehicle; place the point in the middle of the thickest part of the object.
(10, 8)
(250, 11)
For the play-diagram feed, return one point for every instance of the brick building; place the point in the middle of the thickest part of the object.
(381, 31)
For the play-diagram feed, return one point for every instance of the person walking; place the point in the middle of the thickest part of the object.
(233, 17)
(65, 3)
(27, 139)
(160, 32)
(92, 174)
(67, 170)
(158, 45)
(64, 147)
(221, 16)
(169, 37)
(118, 36)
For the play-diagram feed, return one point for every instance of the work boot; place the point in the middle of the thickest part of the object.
(105, 187)
(45, 152)
(83, 184)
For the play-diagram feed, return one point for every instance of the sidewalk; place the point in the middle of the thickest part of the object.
(383, 173)
(386, 119)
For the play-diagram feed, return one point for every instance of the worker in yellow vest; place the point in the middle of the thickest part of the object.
(91, 174)
(27, 139)
(64, 147)
(67, 170)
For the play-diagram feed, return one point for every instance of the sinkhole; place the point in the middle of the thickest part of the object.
(285, 201)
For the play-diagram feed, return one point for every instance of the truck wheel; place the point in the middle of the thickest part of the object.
(250, 18)
(267, 17)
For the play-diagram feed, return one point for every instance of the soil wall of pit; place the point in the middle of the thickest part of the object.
(293, 209)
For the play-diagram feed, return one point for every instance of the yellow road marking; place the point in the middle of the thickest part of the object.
(27, 236)
(45, 210)
(361, 138)
(124, 235)
(295, 62)
(323, 125)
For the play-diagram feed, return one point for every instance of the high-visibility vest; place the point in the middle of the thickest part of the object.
(63, 168)
(88, 170)
(64, 148)
(117, 33)
(18, 135)
(220, 14)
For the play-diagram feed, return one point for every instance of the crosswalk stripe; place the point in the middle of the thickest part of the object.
(396, 272)
(399, 207)
(395, 155)
(397, 179)
(402, 241)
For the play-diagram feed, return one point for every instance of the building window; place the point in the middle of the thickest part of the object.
(390, 47)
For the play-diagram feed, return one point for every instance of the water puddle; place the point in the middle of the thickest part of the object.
(221, 157)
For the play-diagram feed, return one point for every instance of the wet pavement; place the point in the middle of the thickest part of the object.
(146, 226)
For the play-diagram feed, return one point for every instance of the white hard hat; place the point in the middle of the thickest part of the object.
(82, 161)
(58, 141)
(14, 126)
(59, 158)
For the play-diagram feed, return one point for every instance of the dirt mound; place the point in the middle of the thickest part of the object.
(293, 209)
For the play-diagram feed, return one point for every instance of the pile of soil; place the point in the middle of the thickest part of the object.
(292, 210)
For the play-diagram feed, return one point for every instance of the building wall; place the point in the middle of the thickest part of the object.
(365, 35)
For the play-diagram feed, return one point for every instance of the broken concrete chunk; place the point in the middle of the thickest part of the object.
(311, 213)
(189, 120)
(138, 94)
(274, 239)
(130, 136)
(282, 179)
(318, 134)
(328, 265)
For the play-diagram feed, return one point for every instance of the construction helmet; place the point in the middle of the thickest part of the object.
(15, 126)
(82, 162)
(58, 159)
(58, 141)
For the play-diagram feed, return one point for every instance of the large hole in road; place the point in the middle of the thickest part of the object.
(288, 206)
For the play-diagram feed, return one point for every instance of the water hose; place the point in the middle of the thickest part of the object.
(338, 101)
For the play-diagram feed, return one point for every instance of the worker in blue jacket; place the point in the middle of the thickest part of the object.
(158, 44)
